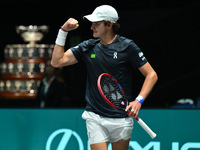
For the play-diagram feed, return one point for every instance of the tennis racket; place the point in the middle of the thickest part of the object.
(113, 93)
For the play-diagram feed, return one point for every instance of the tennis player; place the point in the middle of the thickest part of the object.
(109, 53)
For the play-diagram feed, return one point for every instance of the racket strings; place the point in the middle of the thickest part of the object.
(113, 92)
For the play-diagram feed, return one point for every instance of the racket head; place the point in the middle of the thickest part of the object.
(112, 92)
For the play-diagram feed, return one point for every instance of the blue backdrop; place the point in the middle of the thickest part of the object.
(64, 129)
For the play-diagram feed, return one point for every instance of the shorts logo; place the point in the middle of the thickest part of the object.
(115, 55)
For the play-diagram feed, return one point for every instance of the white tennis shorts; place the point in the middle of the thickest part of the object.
(101, 129)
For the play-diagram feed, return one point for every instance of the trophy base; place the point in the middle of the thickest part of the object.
(8, 95)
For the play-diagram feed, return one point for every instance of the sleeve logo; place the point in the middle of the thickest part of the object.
(141, 55)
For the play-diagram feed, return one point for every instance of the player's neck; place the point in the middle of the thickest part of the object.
(108, 39)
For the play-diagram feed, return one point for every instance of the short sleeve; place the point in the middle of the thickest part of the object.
(77, 51)
(136, 56)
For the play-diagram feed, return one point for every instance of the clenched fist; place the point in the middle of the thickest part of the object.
(70, 24)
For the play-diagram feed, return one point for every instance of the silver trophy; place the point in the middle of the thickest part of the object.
(30, 52)
(29, 85)
(11, 52)
(31, 67)
(1, 86)
(42, 66)
(20, 67)
(23, 87)
(41, 52)
(17, 86)
(19, 52)
(3, 67)
(31, 33)
(10, 67)
(8, 85)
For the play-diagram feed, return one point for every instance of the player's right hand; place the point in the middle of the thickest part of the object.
(70, 24)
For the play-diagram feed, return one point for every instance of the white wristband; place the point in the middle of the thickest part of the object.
(61, 38)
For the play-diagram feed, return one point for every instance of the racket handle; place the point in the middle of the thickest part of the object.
(146, 128)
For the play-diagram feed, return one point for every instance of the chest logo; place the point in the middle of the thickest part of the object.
(115, 55)
(92, 55)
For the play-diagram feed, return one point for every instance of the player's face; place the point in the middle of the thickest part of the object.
(98, 29)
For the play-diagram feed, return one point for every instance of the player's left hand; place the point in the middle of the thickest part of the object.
(134, 108)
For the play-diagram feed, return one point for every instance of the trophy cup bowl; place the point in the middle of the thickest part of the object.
(32, 33)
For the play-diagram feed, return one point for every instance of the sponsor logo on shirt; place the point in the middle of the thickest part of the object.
(141, 55)
(92, 55)
(115, 55)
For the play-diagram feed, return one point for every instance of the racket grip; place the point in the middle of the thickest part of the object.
(146, 128)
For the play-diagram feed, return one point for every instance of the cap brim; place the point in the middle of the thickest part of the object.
(92, 18)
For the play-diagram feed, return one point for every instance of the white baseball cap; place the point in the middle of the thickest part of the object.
(103, 12)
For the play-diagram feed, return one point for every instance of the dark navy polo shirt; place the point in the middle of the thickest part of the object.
(117, 59)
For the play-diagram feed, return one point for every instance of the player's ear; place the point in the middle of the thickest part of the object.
(110, 24)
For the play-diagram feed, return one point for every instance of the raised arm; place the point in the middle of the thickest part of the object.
(61, 58)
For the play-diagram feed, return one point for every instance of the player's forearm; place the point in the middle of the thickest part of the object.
(149, 82)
